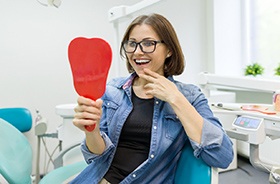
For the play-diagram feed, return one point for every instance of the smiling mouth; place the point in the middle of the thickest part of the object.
(142, 61)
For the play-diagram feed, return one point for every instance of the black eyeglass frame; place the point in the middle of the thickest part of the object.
(139, 43)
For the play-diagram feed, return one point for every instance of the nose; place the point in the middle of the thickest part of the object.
(138, 49)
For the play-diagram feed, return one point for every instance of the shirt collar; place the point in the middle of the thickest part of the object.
(128, 81)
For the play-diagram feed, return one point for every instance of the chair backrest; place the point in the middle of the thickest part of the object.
(15, 155)
(19, 117)
(191, 170)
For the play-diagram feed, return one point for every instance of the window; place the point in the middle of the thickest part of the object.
(264, 34)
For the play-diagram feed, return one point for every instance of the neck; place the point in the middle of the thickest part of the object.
(138, 87)
(139, 82)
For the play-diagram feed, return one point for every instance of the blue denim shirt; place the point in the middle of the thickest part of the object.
(167, 139)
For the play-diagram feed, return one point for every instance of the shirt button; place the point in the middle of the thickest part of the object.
(134, 175)
(108, 103)
(152, 156)
(155, 127)
(157, 102)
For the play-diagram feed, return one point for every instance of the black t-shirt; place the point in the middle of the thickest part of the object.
(134, 143)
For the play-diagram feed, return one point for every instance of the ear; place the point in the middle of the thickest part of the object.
(169, 54)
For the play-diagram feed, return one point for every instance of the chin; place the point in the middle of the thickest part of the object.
(139, 72)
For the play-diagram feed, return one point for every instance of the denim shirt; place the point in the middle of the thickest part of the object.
(167, 138)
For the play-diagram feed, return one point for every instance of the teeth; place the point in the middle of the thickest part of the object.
(141, 61)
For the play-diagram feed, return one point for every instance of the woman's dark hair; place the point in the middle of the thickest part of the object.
(174, 65)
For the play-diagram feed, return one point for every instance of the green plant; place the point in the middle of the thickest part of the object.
(277, 70)
(254, 69)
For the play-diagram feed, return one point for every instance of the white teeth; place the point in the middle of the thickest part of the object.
(141, 61)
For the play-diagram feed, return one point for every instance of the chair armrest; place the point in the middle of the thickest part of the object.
(64, 173)
(58, 161)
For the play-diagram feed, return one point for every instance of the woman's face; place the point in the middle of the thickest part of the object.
(140, 60)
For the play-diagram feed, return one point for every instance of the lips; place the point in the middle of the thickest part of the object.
(141, 61)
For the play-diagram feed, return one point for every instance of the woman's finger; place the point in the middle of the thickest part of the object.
(84, 101)
(151, 73)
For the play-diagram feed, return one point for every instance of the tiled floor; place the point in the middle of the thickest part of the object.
(244, 174)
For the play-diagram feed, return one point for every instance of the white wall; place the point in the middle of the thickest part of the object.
(34, 68)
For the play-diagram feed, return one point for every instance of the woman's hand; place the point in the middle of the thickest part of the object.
(159, 86)
(87, 112)
(166, 90)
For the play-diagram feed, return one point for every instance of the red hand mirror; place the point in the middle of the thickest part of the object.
(90, 60)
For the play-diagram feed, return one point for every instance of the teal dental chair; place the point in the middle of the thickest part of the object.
(16, 151)
(16, 162)
(190, 170)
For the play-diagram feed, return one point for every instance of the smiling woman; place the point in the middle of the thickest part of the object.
(153, 37)
(148, 117)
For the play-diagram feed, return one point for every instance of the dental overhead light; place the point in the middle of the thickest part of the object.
(55, 3)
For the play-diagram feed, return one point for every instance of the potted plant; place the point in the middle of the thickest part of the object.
(254, 69)
(277, 70)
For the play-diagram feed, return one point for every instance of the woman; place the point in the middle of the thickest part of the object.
(143, 121)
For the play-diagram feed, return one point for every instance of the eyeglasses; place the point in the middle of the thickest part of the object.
(146, 46)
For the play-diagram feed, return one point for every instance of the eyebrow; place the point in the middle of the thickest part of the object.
(148, 38)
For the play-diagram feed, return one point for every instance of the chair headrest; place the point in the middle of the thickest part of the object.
(19, 117)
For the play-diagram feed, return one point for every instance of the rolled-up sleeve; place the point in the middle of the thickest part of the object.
(215, 147)
(89, 156)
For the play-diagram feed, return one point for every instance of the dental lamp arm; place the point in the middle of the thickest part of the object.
(119, 12)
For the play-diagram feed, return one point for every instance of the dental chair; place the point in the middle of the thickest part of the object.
(190, 170)
(16, 159)
(16, 151)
